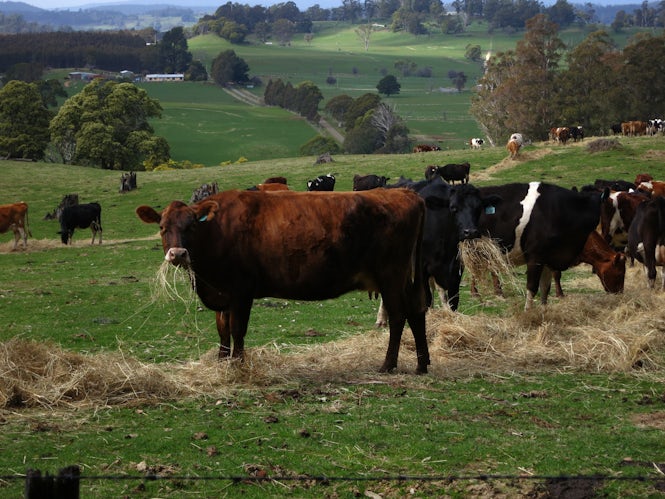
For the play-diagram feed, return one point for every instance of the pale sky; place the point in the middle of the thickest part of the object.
(65, 4)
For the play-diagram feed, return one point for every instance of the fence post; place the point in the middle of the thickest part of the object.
(63, 486)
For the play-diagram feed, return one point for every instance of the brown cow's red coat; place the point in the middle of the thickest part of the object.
(244, 245)
(15, 217)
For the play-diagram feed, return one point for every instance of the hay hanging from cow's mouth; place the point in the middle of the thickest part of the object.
(170, 280)
(482, 257)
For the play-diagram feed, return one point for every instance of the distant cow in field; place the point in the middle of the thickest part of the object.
(452, 172)
(367, 182)
(203, 191)
(127, 182)
(269, 187)
(275, 180)
(243, 245)
(513, 147)
(322, 183)
(14, 217)
(426, 148)
(81, 216)
(476, 143)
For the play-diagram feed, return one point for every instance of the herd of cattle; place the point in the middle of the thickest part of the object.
(394, 240)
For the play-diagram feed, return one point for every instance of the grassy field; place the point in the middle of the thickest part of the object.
(102, 371)
(206, 126)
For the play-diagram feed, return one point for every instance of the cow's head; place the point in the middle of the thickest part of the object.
(178, 226)
(462, 203)
(612, 273)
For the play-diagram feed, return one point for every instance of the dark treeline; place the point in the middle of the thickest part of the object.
(112, 51)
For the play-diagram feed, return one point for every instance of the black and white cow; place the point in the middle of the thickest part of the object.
(542, 226)
(451, 216)
(322, 183)
(81, 216)
(476, 143)
(646, 237)
(368, 182)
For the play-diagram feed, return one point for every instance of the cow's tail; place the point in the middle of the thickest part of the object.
(419, 302)
(26, 224)
(661, 215)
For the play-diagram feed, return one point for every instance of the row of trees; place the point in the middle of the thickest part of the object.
(105, 125)
(111, 50)
(533, 88)
(303, 99)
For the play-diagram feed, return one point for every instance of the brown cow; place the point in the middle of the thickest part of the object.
(269, 187)
(242, 245)
(513, 147)
(653, 187)
(607, 264)
(15, 217)
(426, 148)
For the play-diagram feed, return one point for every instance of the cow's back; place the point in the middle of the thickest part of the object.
(311, 246)
(541, 222)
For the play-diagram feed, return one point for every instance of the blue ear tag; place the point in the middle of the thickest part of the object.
(203, 218)
(490, 210)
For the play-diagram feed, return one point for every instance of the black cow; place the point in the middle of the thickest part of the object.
(322, 183)
(541, 225)
(450, 173)
(646, 237)
(81, 216)
(576, 133)
(368, 182)
(452, 214)
(614, 185)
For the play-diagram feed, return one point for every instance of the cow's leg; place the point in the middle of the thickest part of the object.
(557, 283)
(224, 332)
(417, 324)
(533, 273)
(396, 321)
(17, 236)
(545, 284)
(381, 315)
(239, 320)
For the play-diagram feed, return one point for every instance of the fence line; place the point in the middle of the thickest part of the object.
(71, 476)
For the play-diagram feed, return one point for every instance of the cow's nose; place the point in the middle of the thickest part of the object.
(471, 233)
(177, 256)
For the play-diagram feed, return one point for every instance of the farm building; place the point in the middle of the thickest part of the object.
(165, 77)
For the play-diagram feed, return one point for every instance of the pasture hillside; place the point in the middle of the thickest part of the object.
(104, 369)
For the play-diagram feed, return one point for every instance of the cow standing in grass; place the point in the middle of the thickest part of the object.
(243, 245)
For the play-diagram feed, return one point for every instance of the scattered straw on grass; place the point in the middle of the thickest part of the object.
(583, 332)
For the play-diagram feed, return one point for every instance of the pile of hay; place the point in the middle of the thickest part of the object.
(593, 332)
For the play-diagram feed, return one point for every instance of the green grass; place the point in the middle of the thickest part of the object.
(94, 300)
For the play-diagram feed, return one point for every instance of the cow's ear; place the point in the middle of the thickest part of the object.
(206, 210)
(148, 215)
(492, 200)
(436, 203)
